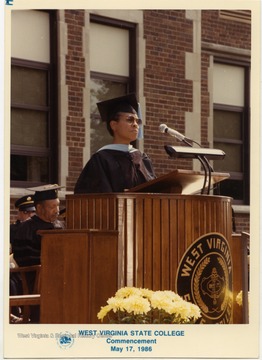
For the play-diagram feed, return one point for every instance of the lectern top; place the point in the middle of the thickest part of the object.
(180, 182)
(190, 152)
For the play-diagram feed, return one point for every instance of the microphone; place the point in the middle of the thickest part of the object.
(165, 129)
(205, 163)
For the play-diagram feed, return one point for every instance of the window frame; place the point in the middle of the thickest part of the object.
(245, 110)
(131, 27)
(51, 109)
(130, 81)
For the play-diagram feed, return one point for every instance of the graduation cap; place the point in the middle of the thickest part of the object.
(25, 203)
(46, 192)
(108, 109)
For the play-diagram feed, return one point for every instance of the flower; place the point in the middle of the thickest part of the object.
(239, 298)
(137, 305)
(103, 312)
(143, 306)
(127, 291)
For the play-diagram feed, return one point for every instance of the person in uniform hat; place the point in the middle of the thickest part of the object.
(25, 210)
(27, 242)
(118, 166)
(25, 206)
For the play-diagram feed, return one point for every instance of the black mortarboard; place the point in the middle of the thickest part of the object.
(109, 108)
(46, 192)
(25, 203)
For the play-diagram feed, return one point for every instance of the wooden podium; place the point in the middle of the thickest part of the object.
(163, 240)
(78, 274)
(186, 182)
(154, 229)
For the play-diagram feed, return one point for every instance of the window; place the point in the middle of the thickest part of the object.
(236, 15)
(113, 40)
(33, 120)
(231, 129)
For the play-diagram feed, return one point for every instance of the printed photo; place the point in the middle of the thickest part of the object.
(131, 147)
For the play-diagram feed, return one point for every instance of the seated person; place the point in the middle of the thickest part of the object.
(27, 242)
(26, 209)
(117, 166)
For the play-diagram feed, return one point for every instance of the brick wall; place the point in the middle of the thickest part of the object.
(242, 223)
(224, 31)
(168, 95)
(236, 34)
(169, 35)
(205, 102)
(12, 211)
(75, 80)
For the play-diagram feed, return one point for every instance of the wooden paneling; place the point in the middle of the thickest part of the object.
(73, 264)
(141, 238)
(154, 229)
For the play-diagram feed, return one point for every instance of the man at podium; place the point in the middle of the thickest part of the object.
(118, 166)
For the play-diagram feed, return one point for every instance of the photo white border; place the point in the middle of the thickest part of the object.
(225, 341)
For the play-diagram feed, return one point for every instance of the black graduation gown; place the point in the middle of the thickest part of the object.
(27, 251)
(114, 171)
(26, 244)
(13, 229)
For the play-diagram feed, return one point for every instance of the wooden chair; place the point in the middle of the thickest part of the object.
(29, 298)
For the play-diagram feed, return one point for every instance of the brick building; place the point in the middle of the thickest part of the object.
(190, 70)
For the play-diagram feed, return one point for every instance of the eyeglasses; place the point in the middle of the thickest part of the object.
(131, 120)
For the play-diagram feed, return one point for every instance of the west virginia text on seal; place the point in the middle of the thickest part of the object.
(204, 277)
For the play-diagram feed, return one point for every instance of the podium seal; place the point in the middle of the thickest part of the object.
(204, 277)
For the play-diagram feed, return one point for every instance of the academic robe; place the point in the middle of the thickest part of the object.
(111, 170)
(13, 229)
(26, 247)
(26, 244)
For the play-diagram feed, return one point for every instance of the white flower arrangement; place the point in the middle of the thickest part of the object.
(132, 305)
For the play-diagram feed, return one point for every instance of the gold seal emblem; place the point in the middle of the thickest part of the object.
(204, 277)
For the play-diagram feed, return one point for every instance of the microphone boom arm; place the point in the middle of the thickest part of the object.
(202, 154)
(206, 166)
